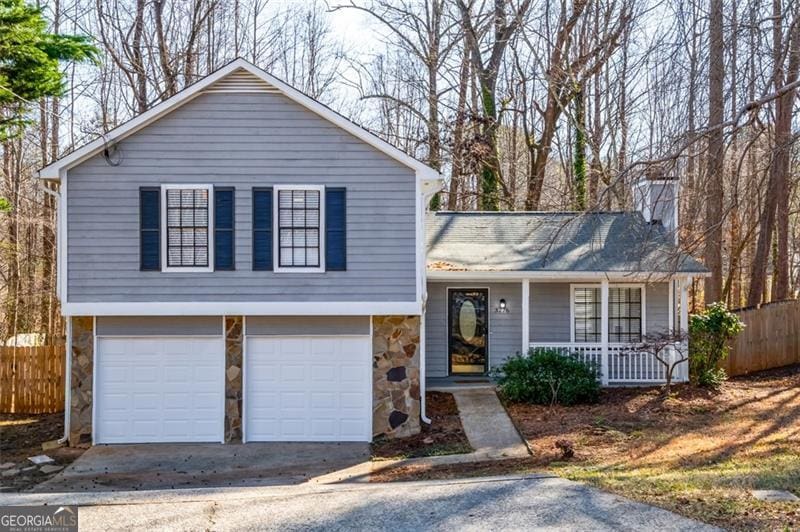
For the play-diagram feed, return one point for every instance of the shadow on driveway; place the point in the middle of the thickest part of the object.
(169, 466)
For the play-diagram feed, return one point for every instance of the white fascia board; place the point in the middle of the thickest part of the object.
(434, 275)
(423, 171)
(210, 308)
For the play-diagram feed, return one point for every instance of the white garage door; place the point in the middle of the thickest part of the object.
(316, 388)
(159, 389)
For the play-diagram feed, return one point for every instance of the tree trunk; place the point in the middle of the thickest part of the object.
(715, 157)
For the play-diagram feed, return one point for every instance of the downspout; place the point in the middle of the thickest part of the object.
(67, 380)
(426, 195)
(68, 332)
(422, 357)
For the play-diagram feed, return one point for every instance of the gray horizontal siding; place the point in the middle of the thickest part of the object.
(241, 140)
(159, 325)
(549, 312)
(505, 330)
(306, 325)
(657, 308)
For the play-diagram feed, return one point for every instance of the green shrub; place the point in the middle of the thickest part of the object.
(546, 377)
(710, 333)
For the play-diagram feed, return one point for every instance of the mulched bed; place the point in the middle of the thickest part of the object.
(444, 435)
(21, 436)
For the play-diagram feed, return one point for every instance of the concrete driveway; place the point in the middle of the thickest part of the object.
(168, 466)
(501, 503)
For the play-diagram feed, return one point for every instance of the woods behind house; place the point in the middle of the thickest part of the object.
(522, 104)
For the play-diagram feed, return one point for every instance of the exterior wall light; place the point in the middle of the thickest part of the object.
(502, 307)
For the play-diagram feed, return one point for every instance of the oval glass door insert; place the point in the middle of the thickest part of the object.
(468, 321)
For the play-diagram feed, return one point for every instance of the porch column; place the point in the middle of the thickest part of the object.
(526, 313)
(684, 303)
(671, 308)
(604, 329)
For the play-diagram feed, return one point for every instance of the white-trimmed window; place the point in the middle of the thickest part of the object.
(625, 313)
(586, 314)
(300, 228)
(187, 221)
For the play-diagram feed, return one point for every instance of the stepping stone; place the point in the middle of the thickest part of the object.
(7, 465)
(30, 468)
(49, 468)
(775, 495)
(10, 472)
(41, 459)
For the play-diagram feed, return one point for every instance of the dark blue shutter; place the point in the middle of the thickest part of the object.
(335, 229)
(150, 228)
(262, 228)
(224, 199)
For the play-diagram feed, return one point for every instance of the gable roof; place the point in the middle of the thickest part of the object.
(620, 242)
(237, 76)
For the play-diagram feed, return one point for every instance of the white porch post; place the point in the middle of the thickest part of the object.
(685, 305)
(671, 308)
(604, 329)
(526, 313)
(684, 323)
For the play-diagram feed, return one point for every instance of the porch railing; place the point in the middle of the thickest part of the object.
(623, 365)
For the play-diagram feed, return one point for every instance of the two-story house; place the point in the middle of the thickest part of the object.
(241, 263)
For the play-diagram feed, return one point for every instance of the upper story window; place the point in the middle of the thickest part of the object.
(624, 314)
(300, 226)
(188, 221)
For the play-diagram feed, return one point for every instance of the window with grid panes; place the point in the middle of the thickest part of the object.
(624, 314)
(299, 228)
(587, 314)
(187, 227)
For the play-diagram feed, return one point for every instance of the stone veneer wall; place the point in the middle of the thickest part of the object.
(80, 408)
(233, 378)
(395, 374)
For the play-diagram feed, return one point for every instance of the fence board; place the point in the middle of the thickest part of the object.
(771, 339)
(32, 379)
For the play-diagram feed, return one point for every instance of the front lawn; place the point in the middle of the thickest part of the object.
(444, 435)
(698, 453)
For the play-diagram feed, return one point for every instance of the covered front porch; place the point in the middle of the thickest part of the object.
(552, 312)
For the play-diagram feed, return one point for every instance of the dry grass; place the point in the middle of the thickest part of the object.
(697, 452)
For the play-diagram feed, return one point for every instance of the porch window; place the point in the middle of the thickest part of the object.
(587, 314)
(624, 315)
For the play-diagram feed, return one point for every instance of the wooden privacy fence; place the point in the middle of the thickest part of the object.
(32, 379)
(770, 339)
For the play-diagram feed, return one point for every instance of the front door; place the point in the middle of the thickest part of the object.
(468, 330)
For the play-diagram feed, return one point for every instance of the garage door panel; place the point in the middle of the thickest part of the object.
(167, 389)
(315, 388)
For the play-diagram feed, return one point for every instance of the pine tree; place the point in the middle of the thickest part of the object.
(29, 62)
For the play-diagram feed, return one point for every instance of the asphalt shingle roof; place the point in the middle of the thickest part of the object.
(547, 241)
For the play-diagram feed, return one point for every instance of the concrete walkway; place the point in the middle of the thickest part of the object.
(489, 429)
